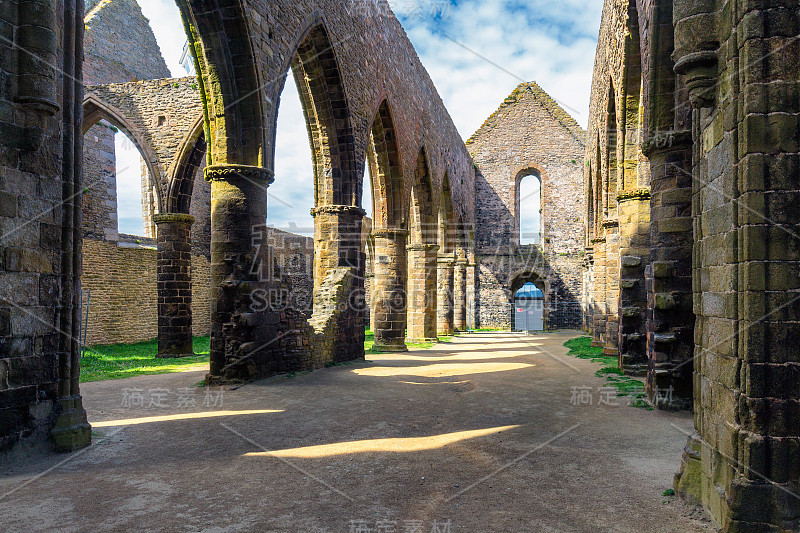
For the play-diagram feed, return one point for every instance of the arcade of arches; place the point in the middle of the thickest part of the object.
(667, 228)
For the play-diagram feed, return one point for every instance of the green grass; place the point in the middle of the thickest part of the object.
(581, 347)
(117, 361)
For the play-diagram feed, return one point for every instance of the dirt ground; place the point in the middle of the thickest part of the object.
(483, 434)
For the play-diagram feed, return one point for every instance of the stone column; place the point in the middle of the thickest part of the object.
(612, 268)
(70, 431)
(337, 245)
(634, 250)
(240, 334)
(471, 294)
(389, 306)
(369, 295)
(670, 325)
(599, 310)
(444, 294)
(174, 284)
(460, 295)
(422, 293)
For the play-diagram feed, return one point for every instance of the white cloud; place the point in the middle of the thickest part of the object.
(550, 43)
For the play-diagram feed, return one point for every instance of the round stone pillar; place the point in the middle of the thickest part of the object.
(460, 295)
(238, 209)
(174, 269)
(338, 244)
(369, 294)
(471, 293)
(389, 305)
(422, 293)
(444, 294)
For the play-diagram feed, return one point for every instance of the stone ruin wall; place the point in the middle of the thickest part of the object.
(120, 271)
(722, 151)
(124, 295)
(41, 266)
(529, 133)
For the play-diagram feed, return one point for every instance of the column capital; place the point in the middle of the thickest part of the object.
(636, 194)
(180, 218)
(423, 248)
(462, 262)
(226, 172)
(338, 210)
(389, 233)
(448, 259)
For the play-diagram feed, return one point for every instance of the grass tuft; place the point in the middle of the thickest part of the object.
(117, 361)
(581, 347)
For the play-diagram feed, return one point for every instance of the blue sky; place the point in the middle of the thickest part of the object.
(476, 51)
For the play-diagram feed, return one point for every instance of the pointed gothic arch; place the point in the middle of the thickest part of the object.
(386, 171)
(337, 180)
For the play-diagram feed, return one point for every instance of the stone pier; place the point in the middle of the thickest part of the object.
(174, 284)
(670, 341)
(389, 305)
(444, 294)
(422, 293)
(460, 295)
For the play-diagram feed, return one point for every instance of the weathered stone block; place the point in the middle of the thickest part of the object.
(665, 301)
(630, 261)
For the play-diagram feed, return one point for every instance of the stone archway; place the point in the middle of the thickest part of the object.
(171, 183)
(422, 255)
(389, 234)
(95, 110)
(520, 279)
(446, 261)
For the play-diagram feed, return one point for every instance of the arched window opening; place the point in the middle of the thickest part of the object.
(446, 222)
(612, 139)
(119, 194)
(634, 175)
(368, 243)
(291, 196)
(422, 224)
(600, 212)
(135, 205)
(590, 207)
(530, 210)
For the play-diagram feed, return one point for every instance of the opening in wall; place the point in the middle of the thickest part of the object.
(530, 210)
(133, 189)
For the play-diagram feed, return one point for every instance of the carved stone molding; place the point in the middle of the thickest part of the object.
(638, 194)
(338, 210)
(183, 218)
(226, 172)
(423, 248)
(700, 72)
(607, 224)
(389, 233)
